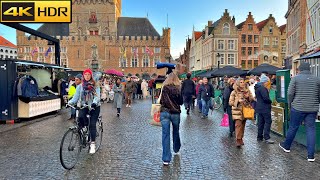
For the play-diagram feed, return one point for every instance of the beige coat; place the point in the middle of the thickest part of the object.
(235, 97)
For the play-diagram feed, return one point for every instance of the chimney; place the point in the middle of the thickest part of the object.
(270, 16)
(209, 23)
(233, 20)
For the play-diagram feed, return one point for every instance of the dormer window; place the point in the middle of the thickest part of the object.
(270, 29)
(226, 29)
(93, 18)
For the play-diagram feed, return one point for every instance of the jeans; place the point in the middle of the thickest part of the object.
(165, 119)
(83, 121)
(264, 125)
(296, 118)
(205, 107)
(199, 103)
(187, 101)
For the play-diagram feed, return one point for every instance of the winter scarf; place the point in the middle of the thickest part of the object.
(88, 90)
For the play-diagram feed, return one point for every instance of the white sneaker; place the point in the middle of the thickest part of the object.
(177, 153)
(165, 163)
(127, 105)
(92, 148)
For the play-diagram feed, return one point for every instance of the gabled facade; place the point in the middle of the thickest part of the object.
(225, 42)
(196, 51)
(249, 43)
(270, 42)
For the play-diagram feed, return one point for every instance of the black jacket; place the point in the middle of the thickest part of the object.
(226, 96)
(171, 100)
(263, 104)
(188, 88)
(206, 91)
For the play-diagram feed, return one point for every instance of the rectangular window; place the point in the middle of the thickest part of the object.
(27, 50)
(146, 61)
(243, 64)
(143, 49)
(134, 62)
(266, 41)
(249, 38)
(243, 38)
(52, 49)
(123, 62)
(222, 59)
(275, 41)
(220, 44)
(157, 50)
(256, 38)
(243, 51)
(41, 50)
(230, 58)
(249, 64)
(40, 59)
(283, 47)
(250, 27)
(255, 63)
(63, 49)
(157, 59)
(231, 44)
(256, 51)
(249, 51)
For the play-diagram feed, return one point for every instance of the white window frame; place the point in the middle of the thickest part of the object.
(27, 50)
(41, 49)
(158, 59)
(145, 57)
(230, 59)
(226, 29)
(231, 45)
(157, 48)
(136, 61)
(221, 46)
(222, 59)
(121, 61)
(41, 58)
(266, 41)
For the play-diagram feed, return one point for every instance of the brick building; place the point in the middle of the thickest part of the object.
(249, 43)
(270, 42)
(128, 44)
(196, 51)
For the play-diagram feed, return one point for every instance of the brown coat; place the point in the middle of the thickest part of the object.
(235, 97)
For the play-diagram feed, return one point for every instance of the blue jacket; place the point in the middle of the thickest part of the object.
(263, 104)
(29, 89)
(77, 97)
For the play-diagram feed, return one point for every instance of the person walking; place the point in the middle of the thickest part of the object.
(199, 103)
(188, 92)
(88, 93)
(240, 96)
(226, 107)
(303, 99)
(129, 88)
(139, 90)
(72, 92)
(144, 88)
(118, 95)
(170, 101)
(263, 108)
(206, 92)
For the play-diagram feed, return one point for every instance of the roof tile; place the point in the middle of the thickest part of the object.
(4, 42)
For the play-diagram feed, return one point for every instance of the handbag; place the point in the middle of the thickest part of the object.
(225, 120)
(155, 112)
(248, 112)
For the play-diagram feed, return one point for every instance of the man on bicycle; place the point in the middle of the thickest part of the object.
(88, 93)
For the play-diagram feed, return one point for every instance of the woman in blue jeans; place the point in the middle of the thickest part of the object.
(170, 101)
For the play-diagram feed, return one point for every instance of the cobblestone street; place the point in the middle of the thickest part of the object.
(132, 149)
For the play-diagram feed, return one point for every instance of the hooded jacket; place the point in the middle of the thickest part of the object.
(188, 88)
(171, 99)
(263, 104)
(235, 97)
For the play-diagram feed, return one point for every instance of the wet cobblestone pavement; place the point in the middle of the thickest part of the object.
(132, 149)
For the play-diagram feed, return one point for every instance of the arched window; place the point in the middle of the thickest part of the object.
(1, 50)
(93, 18)
(226, 28)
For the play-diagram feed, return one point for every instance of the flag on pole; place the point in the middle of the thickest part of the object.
(311, 28)
(47, 52)
(123, 52)
(149, 51)
(35, 50)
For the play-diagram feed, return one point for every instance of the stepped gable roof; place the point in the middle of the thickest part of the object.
(4, 42)
(261, 24)
(197, 35)
(55, 29)
(239, 26)
(283, 28)
(131, 26)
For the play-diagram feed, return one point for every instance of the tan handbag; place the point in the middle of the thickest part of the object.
(155, 112)
(248, 112)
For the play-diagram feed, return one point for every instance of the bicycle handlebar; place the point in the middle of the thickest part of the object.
(79, 108)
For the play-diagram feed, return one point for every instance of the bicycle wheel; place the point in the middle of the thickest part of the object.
(217, 102)
(99, 133)
(70, 148)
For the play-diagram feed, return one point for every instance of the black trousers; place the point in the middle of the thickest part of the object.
(83, 121)
(264, 125)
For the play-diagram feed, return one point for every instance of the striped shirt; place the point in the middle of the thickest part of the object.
(303, 92)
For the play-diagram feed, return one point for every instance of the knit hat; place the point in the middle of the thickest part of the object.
(87, 71)
(264, 78)
(304, 66)
(79, 76)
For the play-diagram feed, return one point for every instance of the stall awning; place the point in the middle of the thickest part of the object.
(29, 63)
(193, 74)
(314, 55)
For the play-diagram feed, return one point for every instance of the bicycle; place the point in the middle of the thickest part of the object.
(78, 140)
(217, 102)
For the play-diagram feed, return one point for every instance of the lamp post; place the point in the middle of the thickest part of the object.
(218, 56)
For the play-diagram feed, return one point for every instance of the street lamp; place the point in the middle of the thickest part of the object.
(218, 56)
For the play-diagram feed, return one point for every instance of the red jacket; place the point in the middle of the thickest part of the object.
(197, 88)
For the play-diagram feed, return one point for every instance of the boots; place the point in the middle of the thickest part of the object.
(241, 141)
(238, 143)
